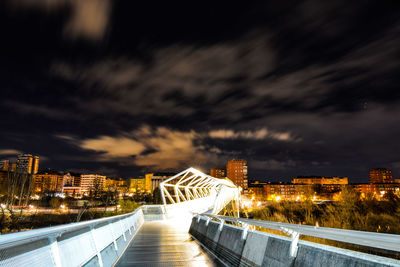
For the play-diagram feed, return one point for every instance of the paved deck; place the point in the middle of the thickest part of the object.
(164, 243)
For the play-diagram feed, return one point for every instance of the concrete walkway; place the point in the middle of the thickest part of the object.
(164, 243)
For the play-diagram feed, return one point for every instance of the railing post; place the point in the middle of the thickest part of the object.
(221, 225)
(96, 246)
(123, 230)
(245, 230)
(131, 218)
(295, 240)
(55, 252)
(114, 236)
(293, 245)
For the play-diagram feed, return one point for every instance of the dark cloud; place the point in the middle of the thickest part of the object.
(293, 87)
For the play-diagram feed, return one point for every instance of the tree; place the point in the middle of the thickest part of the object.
(127, 205)
(55, 202)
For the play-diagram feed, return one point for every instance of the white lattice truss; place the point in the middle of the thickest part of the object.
(199, 190)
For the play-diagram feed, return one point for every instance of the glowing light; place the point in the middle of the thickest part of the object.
(35, 197)
(258, 204)
(3, 205)
(314, 198)
(62, 206)
(278, 198)
(31, 206)
(297, 198)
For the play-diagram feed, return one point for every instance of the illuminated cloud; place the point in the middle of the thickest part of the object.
(88, 18)
(161, 148)
(114, 147)
(164, 148)
(9, 152)
(256, 135)
(173, 149)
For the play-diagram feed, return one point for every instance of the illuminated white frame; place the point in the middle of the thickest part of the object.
(192, 184)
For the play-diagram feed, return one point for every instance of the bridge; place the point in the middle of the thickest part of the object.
(187, 230)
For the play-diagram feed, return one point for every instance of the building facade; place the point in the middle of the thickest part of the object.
(236, 171)
(4, 165)
(137, 185)
(48, 181)
(217, 173)
(72, 184)
(26, 163)
(92, 183)
(157, 178)
(380, 176)
(378, 191)
(320, 180)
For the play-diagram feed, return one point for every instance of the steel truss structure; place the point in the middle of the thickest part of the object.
(199, 190)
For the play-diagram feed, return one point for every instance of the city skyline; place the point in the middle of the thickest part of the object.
(292, 88)
(218, 172)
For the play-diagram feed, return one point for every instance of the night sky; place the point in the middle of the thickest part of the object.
(120, 88)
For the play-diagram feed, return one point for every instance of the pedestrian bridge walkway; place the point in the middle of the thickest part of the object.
(164, 243)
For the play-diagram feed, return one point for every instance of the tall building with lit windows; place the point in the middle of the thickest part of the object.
(380, 176)
(26, 163)
(236, 171)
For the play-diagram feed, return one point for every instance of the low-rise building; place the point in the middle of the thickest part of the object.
(4, 165)
(377, 190)
(117, 185)
(380, 176)
(137, 185)
(320, 180)
(157, 178)
(256, 190)
(217, 172)
(48, 181)
(92, 183)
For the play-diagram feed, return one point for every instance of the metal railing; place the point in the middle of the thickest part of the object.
(370, 239)
(74, 244)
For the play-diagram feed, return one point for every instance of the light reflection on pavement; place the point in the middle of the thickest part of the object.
(165, 243)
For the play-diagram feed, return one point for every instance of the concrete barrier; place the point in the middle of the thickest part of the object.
(233, 248)
(201, 230)
(277, 252)
(193, 227)
(254, 249)
(213, 233)
(312, 254)
(230, 245)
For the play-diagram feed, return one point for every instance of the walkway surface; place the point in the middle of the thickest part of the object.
(164, 243)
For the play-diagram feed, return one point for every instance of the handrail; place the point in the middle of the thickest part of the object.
(370, 239)
(19, 237)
